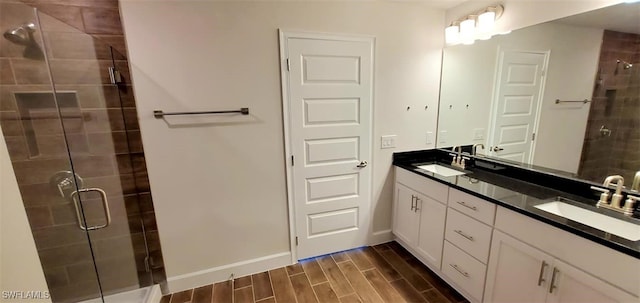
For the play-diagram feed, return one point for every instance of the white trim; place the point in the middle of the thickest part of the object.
(284, 80)
(381, 236)
(543, 82)
(286, 116)
(222, 273)
(155, 294)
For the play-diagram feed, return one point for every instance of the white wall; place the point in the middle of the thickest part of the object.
(468, 78)
(219, 188)
(20, 268)
(522, 13)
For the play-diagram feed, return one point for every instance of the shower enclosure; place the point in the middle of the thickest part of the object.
(612, 139)
(69, 121)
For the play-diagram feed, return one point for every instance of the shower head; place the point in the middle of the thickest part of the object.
(23, 35)
(625, 64)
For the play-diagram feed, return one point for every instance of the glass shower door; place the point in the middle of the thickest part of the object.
(32, 127)
(67, 128)
(88, 75)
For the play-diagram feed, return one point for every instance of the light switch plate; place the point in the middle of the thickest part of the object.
(388, 141)
(429, 137)
(478, 133)
(442, 136)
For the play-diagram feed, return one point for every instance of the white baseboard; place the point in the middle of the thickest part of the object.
(224, 272)
(380, 237)
(155, 294)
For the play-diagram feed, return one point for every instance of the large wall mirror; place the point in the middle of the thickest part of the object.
(563, 95)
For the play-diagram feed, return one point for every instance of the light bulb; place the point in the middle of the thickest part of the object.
(467, 31)
(452, 35)
(486, 21)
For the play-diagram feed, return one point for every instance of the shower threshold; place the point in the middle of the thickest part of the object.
(150, 294)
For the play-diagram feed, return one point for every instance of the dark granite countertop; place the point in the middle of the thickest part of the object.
(521, 189)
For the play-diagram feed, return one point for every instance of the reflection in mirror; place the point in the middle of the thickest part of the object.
(563, 95)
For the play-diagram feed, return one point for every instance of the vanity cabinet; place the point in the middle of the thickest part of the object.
(419, 215)
(468, 230)
(519, 272)
(492, 254)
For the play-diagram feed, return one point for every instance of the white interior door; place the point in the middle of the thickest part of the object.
(329, 89)
(518, 92)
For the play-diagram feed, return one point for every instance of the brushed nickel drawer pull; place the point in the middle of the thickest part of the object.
(462, 272)
(413, 200)
(541, 276)
(459, 232)
(467, 206)
(417, 209)
(552, 285)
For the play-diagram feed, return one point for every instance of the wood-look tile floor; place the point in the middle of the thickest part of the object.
(382, 273)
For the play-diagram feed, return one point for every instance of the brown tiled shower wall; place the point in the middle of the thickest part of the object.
(83, 37)
(616, 105)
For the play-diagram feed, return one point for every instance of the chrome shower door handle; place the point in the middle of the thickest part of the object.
(362, 164)
(105, 207)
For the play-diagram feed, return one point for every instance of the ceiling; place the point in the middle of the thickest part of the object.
(443, 4)
(624, 17)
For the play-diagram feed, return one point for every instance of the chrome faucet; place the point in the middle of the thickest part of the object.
(457, 161)
(636, 182)
(474, 149)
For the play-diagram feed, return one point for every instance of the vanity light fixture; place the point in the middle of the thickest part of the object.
(476, 26)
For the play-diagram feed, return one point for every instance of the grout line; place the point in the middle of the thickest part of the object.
(410, 267)
(267, 298)
(243, 287)
(273, 291)
(329, 280)
(348, 281)
(295, 297)
(252, 289)
(309, 280)
(213, 286)
(372, 286)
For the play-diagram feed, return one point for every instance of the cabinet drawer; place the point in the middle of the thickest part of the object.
(468, 234)
(472, 206)
(424, 185)
(463, 270)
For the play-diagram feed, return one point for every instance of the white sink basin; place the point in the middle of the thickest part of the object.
(596, 220)
(441, 170)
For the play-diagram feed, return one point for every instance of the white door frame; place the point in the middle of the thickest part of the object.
(494, 97)
(286, 117)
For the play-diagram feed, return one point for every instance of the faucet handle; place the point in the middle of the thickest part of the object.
(628, 205)
(604, 196)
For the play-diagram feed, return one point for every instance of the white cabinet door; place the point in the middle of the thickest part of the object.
(573, 285)
(405, 217)
(431, 234)
(517, 272)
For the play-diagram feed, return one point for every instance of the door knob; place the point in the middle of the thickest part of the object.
(362, 164)
(497, 149)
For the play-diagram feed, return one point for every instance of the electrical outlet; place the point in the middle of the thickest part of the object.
(388, 141)
(429, 137)
(442, 136)
(478, 134)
